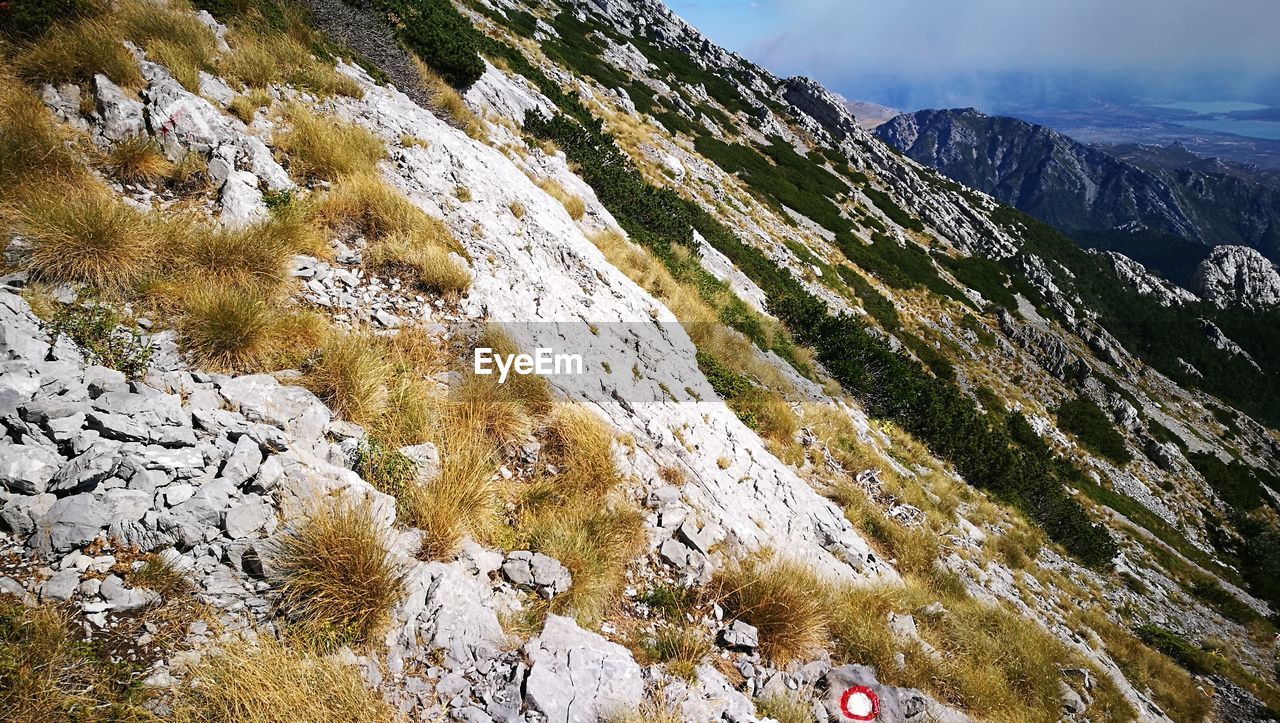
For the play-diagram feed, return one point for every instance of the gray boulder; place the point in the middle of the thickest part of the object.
(27, 469)
(61, 586)
(71, 522)
(577, 676)
(119, 116)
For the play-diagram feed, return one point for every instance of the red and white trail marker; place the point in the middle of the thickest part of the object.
(860, 703)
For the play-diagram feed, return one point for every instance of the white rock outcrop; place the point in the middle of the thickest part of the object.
(1238, 276)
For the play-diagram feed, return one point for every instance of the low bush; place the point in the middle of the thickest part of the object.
(1093, 428)
(100, 332)
(272, 683)
(389, 471)
(28, 21)
(337, 581)
(439, 35)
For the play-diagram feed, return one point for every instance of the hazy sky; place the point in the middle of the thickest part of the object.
(935, 52)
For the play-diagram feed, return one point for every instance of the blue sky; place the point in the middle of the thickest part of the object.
(946, 52)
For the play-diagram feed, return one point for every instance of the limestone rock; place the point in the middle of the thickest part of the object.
(577, 676)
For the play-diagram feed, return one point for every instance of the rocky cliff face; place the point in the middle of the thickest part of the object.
(754, 538)
(1238, 276)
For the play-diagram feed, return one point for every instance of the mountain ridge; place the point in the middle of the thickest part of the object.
(1081, 189)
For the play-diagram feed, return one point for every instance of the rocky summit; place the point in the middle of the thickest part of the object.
(833, 431)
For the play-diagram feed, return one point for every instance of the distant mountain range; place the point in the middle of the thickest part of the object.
(1160, 205)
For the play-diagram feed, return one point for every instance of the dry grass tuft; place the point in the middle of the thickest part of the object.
(245, 106)
(253, 257)
(171, 37)
(351, 374)
(337, 581)
(785, 708)
(595, 541)
(447, 103)
(326, 148)
(422, 258)
(783, 599)
(682, 648)
(461, 499)
(32, 146)
(85, 235)
(138, 160)
(365, 203)
(74, 53)
(226, 328)
(270, 683)
(574, 205)
(577, 442)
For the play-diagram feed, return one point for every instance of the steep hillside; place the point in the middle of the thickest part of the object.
(1088, 192)
(839, 421)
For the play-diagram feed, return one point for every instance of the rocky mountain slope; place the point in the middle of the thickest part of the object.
(841, 421)
(1087, 191)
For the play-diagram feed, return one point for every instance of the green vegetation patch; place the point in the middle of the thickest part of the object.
(1092, 426)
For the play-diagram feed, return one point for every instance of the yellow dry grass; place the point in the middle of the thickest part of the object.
(74, 53)
(446, 102)
(326, 148)
(573, 204)
(137, 160)
(171, 36)
(33, 148)
(785, 600)
(83, 234)
(272, 683)
(337, 580)
(422, 258)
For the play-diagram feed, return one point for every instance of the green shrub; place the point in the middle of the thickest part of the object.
(1186, 654)
(30, 19)
(1093, 428)
(893, 210)
(389, 471)
(98, 331)
(436, 32)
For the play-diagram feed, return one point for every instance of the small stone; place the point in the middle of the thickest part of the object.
(61, 586)
(740, 636)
